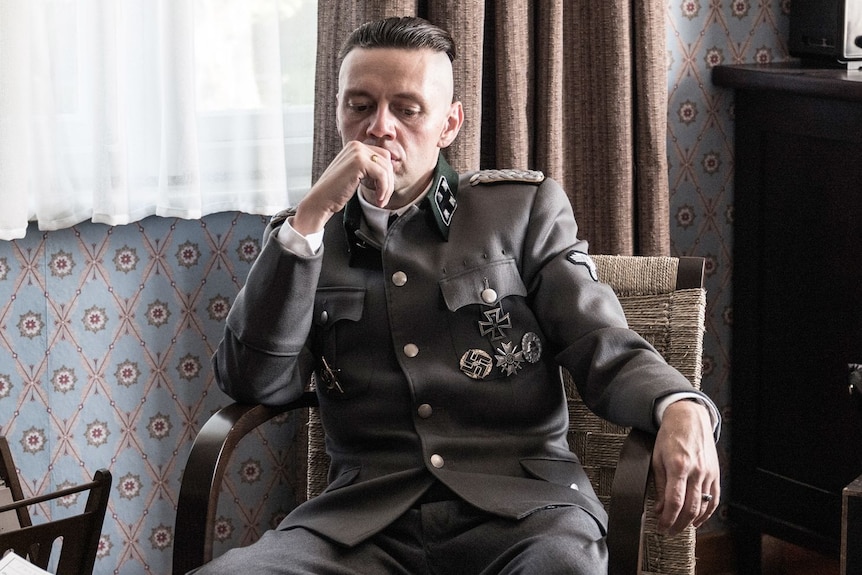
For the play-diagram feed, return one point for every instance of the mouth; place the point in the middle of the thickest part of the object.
(395, 162)
(393, 156)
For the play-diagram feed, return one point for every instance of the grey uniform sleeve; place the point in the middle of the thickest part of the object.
(263, 357)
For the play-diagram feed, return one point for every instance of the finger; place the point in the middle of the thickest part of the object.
(378, 176)
(673, 507)
(368, 181)
(710, 502)
(660, 484)
(670, 499)
(694, 508)
(684, 512)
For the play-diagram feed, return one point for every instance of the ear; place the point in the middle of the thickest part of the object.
(452, 126)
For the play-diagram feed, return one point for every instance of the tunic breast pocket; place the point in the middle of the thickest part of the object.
(337, 335)
(493, 330)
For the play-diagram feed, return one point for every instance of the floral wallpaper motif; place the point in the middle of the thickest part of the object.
(106, 332)
(701, 35)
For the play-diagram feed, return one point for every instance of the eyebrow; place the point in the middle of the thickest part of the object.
(358, 93)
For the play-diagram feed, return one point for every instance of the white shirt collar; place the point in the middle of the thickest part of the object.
(377, 219)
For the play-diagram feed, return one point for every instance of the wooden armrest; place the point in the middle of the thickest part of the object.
(205, 468)
(628, 494)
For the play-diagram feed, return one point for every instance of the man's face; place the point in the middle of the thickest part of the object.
(400, 100)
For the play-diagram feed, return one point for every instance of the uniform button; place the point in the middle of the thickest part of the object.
(399, 278)
(324, 316)
(425, 411)
(411, 350)
(437, 461)
(574, 486)
(489, 296)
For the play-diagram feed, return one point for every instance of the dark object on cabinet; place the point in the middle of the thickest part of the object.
(828, 30)
(80, 533)
(796, 438)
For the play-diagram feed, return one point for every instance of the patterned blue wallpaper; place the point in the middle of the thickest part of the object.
(106, 332)
(106, 335)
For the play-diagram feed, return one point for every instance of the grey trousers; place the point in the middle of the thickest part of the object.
(443, 538)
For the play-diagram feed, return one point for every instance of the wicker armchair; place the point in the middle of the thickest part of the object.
(664, 301)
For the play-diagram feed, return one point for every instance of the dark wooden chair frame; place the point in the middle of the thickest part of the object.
(80, 533)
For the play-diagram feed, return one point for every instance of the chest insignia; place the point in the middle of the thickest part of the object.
(476, 363)
(445, 200)
(532, 346)
(329, 377)
(495, 322)
(582, 259)
(509, 358)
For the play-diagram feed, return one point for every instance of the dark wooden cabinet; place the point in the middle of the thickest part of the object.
(796, 431)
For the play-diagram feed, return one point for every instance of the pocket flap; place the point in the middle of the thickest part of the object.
(335, 304)
(566, 472)
(466, 287)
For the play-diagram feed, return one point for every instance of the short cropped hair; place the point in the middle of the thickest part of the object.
(400, 32)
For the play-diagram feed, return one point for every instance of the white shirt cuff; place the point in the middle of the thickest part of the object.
(662, 404)
(295, 242)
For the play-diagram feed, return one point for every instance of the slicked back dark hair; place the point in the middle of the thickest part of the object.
(408, 32)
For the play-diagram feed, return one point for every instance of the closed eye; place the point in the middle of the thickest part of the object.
(358, 107)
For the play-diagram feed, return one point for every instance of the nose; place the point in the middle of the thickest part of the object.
(382, 124)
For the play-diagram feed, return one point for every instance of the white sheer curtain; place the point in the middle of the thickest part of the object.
(114, 110)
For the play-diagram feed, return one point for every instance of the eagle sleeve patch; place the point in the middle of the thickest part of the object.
(582, 259)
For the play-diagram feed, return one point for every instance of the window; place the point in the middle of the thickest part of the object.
(114, 111)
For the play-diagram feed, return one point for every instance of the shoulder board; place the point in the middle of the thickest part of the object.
(495, 176)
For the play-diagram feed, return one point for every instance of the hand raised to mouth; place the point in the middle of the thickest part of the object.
(357, 166)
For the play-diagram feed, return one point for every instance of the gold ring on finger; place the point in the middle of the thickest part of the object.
(374, 158)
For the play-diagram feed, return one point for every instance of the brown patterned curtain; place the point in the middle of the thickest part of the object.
(574, 88)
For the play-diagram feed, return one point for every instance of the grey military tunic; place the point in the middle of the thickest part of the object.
(439, 352)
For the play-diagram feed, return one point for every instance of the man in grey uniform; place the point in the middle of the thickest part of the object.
(435, 310)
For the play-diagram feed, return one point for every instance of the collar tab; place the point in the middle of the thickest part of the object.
(442, 195)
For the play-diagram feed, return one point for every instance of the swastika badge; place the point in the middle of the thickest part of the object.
(476, 363)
